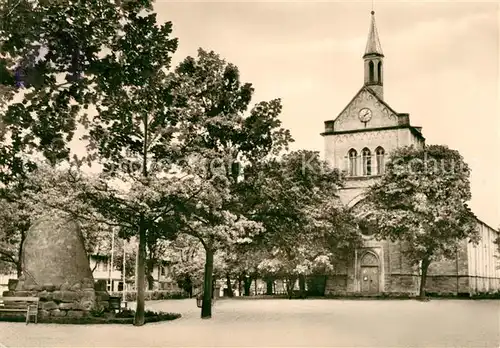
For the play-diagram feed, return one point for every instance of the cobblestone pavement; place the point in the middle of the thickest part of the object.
(284, 323)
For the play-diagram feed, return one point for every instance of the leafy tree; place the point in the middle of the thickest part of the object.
(186, 255)
(130, 257)
(14, 223)
(239, 262)
(145, 205)
(307, 229)
(220, 134)
(421, 200)
(209, 218)
(23, 203)
(51, 48)
(156, 249)
(133, 129)
(113, 56)
(497, 243)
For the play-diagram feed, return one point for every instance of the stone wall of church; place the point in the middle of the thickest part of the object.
(484, 261)
(449, 276)
(416, 141)
(475, 269)
(338, 145)
(401, 274)
(337, 282)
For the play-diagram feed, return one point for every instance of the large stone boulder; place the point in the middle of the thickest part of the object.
(54, 256)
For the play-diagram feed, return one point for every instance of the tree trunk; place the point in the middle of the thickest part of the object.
(188, 286)
(423, 278)
(206, 307)
(290, 286)
(141, 252)
(247, 283)
(149, 274)
(256, 289)
(19, 263)
(302, 286)
(239, 286)
(269, 286)
(229, 286)
(19, 268)
(141, 273)
(323, 285)
(151, 282)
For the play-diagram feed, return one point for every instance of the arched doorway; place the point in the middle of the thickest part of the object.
(369, 273)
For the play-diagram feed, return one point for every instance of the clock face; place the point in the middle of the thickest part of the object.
(365, 115)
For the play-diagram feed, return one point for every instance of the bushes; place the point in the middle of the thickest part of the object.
(152, 295)
(150, 317)
(486, 296)
(125, 317)
(466, 295)
(129, 313)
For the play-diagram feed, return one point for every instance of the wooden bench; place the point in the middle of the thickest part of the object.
(29, 305)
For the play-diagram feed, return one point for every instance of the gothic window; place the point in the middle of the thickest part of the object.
(372, 71)
(367, 162)
(379, 72)
(380, 153)
(352, 162)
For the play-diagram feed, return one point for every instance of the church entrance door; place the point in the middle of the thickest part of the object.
(369, 279)
(369, 272)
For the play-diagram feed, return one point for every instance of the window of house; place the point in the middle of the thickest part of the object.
(162, 270)
(380, 153)
(367, 162)
(103, 266)
(353, 155)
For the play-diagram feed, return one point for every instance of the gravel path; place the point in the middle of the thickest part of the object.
(284, 323)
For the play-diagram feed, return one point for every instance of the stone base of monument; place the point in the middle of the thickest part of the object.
(71, 300)
(56, 269)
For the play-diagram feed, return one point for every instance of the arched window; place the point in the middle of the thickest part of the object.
(367, 162)
(379, 72)
(372, 71)
(380, 153)
(366, 228)
(353, 155)
(369, 259)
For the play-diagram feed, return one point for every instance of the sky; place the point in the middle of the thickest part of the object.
(441, 66)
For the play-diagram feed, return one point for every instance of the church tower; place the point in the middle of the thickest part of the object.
(373, 58)
(359, 142)
(360, 139)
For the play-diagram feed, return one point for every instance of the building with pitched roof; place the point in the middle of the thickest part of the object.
(358, 141)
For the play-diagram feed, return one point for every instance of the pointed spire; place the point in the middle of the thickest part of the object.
(373, 44)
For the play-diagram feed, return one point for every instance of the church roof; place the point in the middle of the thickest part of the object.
(417, 131)
(369, 90)
(373, 44)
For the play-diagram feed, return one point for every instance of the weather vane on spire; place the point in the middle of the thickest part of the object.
(373, 11)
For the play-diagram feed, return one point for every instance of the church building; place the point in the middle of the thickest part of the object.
(358, 141)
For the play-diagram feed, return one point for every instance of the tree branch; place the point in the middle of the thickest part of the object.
(7, 256)
(197, 235)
